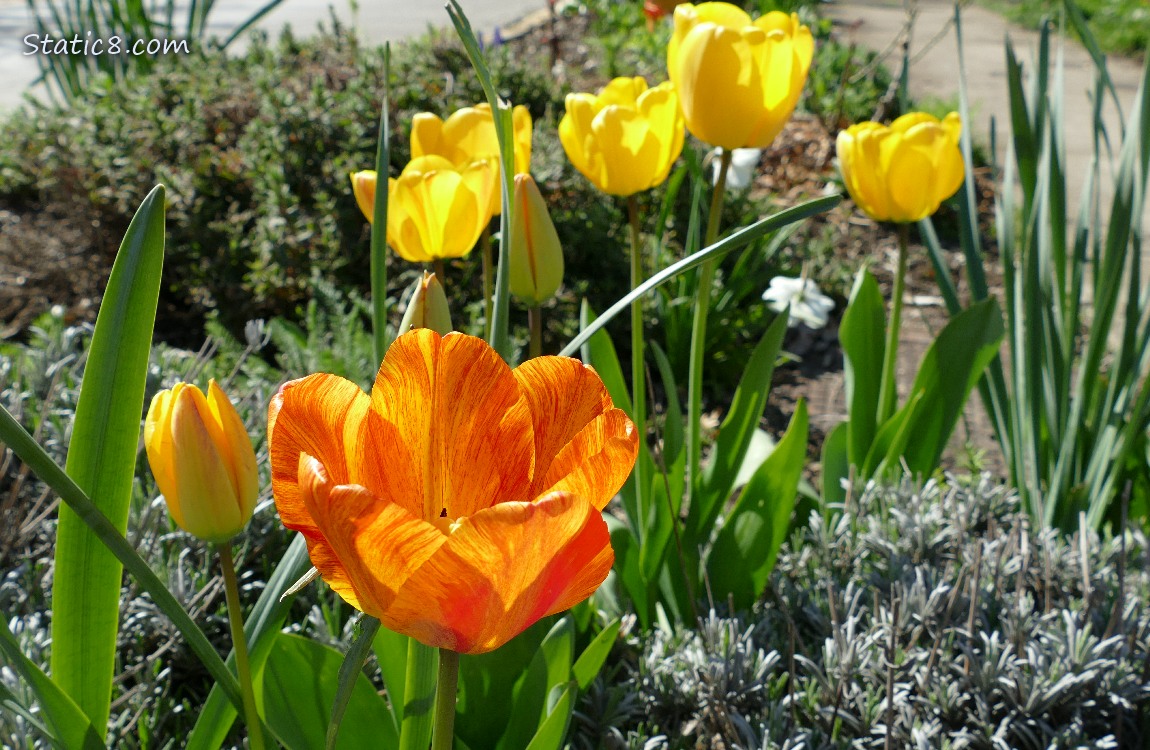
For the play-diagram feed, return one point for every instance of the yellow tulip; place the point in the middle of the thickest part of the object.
(625, 138)
(469, 134)
(738, 80)
(427, 307)
(202, 460)
(435, 210)
(536, 261)
(903, 172)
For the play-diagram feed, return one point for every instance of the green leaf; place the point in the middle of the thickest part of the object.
(391, 653)
(550, 666)
(630, 572)
(349, 673)
(300, 683)
(261, 627)
(736, 432)
(589, 663)
(378, 266)
(836, 467)
(65, 723)
(102, 461)
(862, 334)
(748, 543)
(951, 367)
(487, 684)
(420, 676)
(553, 730)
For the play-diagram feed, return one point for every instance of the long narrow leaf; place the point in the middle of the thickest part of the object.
(380, 339)
(350, 673)
(102, 461)
(65, 723)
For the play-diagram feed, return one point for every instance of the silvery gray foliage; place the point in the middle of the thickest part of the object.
(919, 616)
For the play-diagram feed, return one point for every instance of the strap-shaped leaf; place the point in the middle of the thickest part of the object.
(748, 543)
(102, 461)
(65, 723)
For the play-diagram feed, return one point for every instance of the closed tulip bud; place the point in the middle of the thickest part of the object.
(625, 138)
(427, 307)
(536, 269)
(202, 459)
(469, 134)
(903, 172)
(363, 187)
(738, 80)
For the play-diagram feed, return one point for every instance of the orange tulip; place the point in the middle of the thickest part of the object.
(459, 502)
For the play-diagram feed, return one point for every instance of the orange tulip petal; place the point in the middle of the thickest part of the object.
(374, 544)
(563, 396)
(501, 570)
(312, 415)
(596, 462)
(456, 406)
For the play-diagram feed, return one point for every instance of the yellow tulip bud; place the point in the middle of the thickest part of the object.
(427, 307)
(436, 209)
(625, 138)
(903, 172)
(363, 187)
(469, 134)
(738, 80)
(536, 260)
(202, 459)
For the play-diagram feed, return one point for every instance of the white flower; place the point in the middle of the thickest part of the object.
(744, 162)
(808, 304)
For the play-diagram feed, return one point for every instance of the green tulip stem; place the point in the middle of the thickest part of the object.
(699, 325)
(485, 254)
(535, 322)
(638, 371)
(440, 272)
(243, 671)
(888, 391)
(445, 691)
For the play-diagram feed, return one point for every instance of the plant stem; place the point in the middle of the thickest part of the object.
(638, 371)
(699, 326)
(243, 671)
(445, 700)
(888, 388)
(485, 248)
(535, 322)
(440, 272)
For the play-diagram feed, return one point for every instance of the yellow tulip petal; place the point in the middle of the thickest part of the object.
(426, 135)
(501, 570)
(206, 494)
(160, 449)
(456, 405)
(363, 188)
(240, 457)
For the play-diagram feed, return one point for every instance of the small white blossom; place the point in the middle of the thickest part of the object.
(744, 163)
(808, 304)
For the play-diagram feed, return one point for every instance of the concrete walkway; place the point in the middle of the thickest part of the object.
(375, 21)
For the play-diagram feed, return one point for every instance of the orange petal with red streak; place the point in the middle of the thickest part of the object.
(501, 570)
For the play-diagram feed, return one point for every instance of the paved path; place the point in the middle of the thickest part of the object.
(376, 21)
